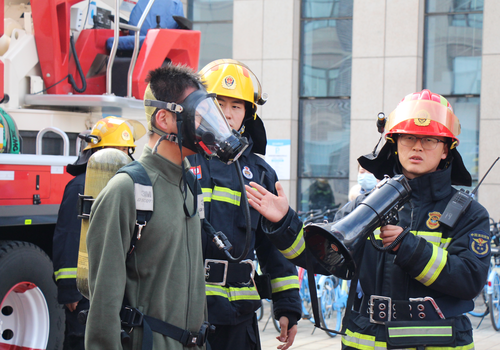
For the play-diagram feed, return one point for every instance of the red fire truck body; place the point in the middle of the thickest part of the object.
(37, 63)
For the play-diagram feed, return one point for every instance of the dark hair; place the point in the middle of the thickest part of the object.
(168, 83)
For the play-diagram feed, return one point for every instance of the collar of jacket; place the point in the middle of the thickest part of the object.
(165, 168)
(433, 186)
(248, 150)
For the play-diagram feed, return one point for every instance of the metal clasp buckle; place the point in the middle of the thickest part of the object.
(372, 305)
(207, 269)
(139, 228)
(131, 317)
(192, 340)
(432, 301)
(84, 206)
(252, 274)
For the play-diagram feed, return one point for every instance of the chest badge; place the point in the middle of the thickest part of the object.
(432, 222)
(196, 170)
(479, 243)
(247, 172)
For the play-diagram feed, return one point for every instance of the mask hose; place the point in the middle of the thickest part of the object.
(246, 212)
(220, 239)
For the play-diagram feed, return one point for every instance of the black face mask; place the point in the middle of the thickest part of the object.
(203, 128)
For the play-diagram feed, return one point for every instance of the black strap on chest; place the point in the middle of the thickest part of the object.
(139, 175)
(132, 317)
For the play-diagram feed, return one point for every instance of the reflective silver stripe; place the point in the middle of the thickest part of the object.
(362, 341)
(438, 331)
(227, 195)
(434, 266)
(285, 283)
(69, 272)
(207, 194)
(232, 293)
(445, 243)
(296, 248)
(431, 237)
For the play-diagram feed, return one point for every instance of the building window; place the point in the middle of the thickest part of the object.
(214, 19)
(452, 65)
(325, 107)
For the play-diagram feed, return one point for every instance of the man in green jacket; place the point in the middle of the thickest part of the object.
(162, 278)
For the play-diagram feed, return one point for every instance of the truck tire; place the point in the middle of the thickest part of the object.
(30, 316)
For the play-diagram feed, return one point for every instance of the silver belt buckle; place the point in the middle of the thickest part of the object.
(207, 271)
(372, 311)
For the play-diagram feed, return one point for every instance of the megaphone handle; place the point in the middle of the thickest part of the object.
(393, 244)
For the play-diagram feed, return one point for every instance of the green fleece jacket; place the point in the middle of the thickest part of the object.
(165, 276)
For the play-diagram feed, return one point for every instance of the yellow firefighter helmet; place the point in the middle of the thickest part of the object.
(115, 132)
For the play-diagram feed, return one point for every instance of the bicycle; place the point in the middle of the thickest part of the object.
(491, 291)
(332, 300)
(260, 310)
(493, 282)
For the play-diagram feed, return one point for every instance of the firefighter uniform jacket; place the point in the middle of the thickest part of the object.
(234, 303)
(67, 241)
(451, 266)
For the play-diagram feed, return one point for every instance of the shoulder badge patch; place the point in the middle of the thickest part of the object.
(479, 243)
(247, 172)
(197, 171)
(433, 222)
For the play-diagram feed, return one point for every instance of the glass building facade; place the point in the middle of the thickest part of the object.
(452, 65)
(400, 48)
(214, 19)
(324, 103)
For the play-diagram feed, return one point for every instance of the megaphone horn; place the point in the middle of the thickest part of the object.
(338, 246)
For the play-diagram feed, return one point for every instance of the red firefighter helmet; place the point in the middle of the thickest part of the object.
(421, 113)
(424, 113)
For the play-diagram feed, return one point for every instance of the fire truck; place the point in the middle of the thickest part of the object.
(62, 68)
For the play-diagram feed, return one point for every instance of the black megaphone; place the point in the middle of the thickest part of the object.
(338, 246)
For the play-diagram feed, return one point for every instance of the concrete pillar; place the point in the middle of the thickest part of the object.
(266, 38)
(489, 124)
(386, 66)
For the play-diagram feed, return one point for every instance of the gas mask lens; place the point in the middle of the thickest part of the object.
(213, 133)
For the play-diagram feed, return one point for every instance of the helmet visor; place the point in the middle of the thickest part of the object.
(423, 112)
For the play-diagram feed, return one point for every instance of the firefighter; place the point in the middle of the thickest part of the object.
(416, 295)
(232, 305)
(146, 277)
(110, 132)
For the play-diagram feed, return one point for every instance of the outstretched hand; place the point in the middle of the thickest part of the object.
(270, 206)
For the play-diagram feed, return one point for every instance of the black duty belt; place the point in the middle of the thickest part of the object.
(383, 309)
(222, 272)
(131, 317)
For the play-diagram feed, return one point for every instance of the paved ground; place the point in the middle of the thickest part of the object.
(485, 336)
